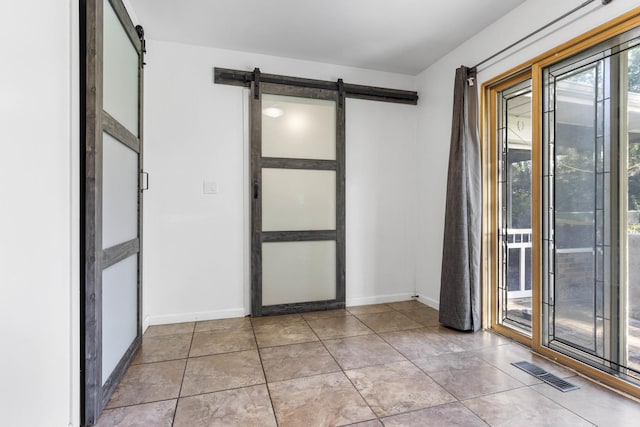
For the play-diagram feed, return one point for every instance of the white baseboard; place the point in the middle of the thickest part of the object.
(191, 317)
(240, 312)
(429, 301)
(378, 299)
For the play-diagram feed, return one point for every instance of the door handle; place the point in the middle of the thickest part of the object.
(145, 180)
(256, 189)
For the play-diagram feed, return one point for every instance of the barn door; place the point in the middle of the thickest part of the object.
(297, 200)
(112, 199)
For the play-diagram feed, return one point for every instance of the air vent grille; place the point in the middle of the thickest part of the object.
(545, 376)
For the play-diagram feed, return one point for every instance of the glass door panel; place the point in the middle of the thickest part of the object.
(119, 312)
(578, 248)
(591, 193)
(578, 242)
(119, 192)
(295, 272)
(514, 219)
(300, 128)
(120, 72)
(298, 200)
(630, 223)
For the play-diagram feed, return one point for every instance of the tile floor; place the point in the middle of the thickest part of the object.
(377, 365)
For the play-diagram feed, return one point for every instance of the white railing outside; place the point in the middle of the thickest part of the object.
(520, 238)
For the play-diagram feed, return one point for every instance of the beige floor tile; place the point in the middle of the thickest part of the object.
(273, 320)
(366, 309)
(221, 372)
(338, 327)
(449, 415)
(163, 347)
(220, 324)
(157, 414)
(522, 407)
(425, 316)
(388, 321)
(595, 403)
(451, 362)
(421, 343)
(217, 387)
(241, 407)
(172, 329)
(473, 340)
(466, 377)
(321, 400)
(325, 314)
(273, 334)
(397, 387)
(358, 352)
(297, 360)
(406, 305)
(222, 341)
(149, 382)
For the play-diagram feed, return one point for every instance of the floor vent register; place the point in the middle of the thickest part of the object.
(545, 376)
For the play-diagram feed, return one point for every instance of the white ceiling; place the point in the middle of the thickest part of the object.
(402, 36)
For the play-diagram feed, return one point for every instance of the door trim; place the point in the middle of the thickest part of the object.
(258, 163)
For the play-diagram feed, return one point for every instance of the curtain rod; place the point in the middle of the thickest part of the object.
(544, 27)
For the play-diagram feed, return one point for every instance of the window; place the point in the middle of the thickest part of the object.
(591, 189)
(513, 159)
(562, 203)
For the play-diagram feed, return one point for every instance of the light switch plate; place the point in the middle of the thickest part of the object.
(210, 187)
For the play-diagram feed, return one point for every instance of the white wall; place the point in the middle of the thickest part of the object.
(434, 116)
(39, 251)
(381, 201)
(196, 245)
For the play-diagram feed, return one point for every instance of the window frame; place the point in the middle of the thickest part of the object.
(534, 67)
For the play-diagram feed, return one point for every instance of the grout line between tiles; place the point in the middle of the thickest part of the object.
(494, 393)
(141, 403)
(204, 393)
(175, 410)
(323, 342)
(345, 375)
(474, 413)
(435, 406)
(530, 387)
(264, 374)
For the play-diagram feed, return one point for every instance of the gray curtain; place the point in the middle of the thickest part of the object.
(460, 280)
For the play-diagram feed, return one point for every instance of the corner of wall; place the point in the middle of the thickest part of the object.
(429, 301)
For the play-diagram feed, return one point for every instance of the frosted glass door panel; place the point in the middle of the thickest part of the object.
(119, 312)
(298, 128)
(296, 199)
(295, 272)
(119, 192)
(120, 72)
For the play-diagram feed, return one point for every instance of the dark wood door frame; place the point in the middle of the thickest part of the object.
(94, 121)
(258, 162)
